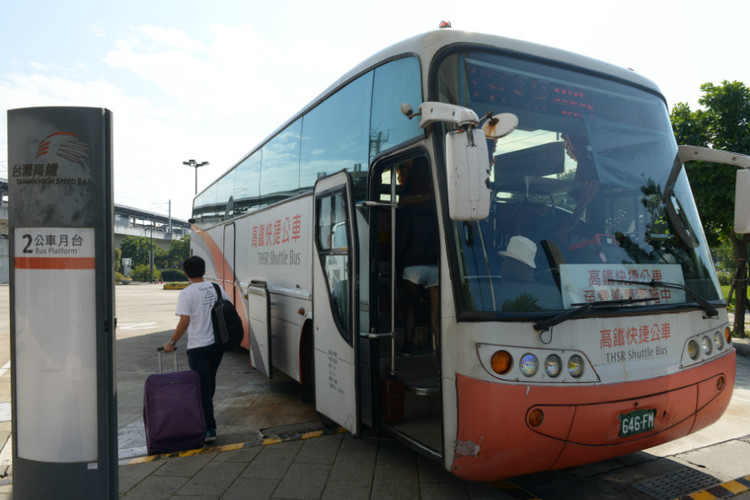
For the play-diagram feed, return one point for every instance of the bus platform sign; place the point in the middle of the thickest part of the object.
(60, 223)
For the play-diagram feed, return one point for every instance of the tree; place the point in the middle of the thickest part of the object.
(178, 251)
(138, 249)
(118, 259)
(724, 123)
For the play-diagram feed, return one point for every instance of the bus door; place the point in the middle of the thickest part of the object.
(259, 326)
(336, 302)
(227, 273)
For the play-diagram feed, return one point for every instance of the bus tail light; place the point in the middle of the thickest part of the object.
(501, 362)
(536, 417)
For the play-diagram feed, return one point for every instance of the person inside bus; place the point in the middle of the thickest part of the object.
(578, 149)
(418, 247)
(194, 305)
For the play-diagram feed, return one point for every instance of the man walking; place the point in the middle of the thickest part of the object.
(204, 356)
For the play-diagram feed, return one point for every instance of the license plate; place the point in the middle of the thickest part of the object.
(637, 422)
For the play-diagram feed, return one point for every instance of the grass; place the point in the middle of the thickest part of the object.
(725, 292)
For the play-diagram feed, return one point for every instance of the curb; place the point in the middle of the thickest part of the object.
(237, 446)
(742, 346)
(723, 490)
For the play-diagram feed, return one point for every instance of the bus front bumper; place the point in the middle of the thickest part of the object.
(580, 424)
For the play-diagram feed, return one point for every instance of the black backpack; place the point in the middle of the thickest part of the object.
(228, 331)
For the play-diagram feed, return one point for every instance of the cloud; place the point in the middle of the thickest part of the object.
(174, 97)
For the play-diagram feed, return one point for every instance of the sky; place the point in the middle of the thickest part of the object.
(208, 81)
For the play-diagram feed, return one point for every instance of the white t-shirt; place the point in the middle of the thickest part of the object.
(196, 301)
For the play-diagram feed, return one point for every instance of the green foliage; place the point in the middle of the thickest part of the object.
(142, 273)
(138, 249)
(173, 275)
(725, 277)
(118, 260)
(178, 251)
(723, 124)
(723, 254)
(524, 302)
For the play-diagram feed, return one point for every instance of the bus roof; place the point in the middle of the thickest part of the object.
(428, 44)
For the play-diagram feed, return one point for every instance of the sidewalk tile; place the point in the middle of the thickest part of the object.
(364, 443)
(184, 466)
(131, 475)
(271, 463)
(321, 450)
(214, 479)
(251, 488)
(386, 486)
(443, 491)
(350, 490)
(354, 465)
(155, 488)
(303, 482)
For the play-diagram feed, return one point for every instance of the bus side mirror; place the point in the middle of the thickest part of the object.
(742, 202)
(468, 173)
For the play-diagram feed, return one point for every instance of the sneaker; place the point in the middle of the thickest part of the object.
(210, 436)
(407, 349)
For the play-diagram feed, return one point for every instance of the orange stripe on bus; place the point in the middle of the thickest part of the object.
(54, 262)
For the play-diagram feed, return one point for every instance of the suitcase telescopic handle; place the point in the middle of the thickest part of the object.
(160, 350)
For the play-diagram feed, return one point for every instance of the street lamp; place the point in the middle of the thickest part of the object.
(195, 164)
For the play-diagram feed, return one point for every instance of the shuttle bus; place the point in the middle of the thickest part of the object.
(579, 316)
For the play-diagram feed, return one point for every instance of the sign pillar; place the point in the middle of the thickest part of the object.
(62, 303)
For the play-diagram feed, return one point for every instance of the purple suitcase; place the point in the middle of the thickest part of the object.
(172, 411)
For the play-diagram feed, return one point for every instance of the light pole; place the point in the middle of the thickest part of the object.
(195, 164)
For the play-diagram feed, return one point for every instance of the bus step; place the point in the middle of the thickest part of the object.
(429, 387)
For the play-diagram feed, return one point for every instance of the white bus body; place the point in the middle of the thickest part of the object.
(617, 341)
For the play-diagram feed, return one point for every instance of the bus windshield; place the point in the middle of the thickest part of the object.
(588, 198)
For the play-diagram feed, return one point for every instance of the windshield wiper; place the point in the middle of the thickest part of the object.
(546, 324)
(705, 305)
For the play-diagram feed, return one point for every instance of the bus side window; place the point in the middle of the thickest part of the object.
(333, 249)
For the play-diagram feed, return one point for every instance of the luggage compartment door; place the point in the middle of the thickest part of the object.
(259, 322)
(336, 302)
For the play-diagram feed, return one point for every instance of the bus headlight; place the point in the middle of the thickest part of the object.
(693, 349)
(501, 362)
(707, 345)
(719, 341)
(552, 365)
(529, 364)
(575, 366)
